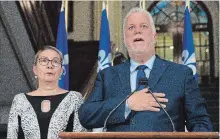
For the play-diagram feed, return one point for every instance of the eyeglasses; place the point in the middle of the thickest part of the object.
(55, 62)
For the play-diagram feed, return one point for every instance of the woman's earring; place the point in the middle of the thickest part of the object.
(35, 76)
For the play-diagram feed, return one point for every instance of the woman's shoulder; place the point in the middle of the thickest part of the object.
(75, 93)
(76, 96)
(20, 101)
(19, 96)
(73, 99)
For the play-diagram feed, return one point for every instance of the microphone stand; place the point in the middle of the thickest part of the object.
(144, 81)
(105, 123)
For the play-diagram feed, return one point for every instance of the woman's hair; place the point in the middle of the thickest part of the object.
(47, 47)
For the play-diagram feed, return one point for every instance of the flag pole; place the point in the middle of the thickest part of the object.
(66, 13)
(62, 5)
(105, 6)
(63, 8)
(187, 4)
(142, 4)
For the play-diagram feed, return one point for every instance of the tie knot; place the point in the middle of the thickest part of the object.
(141, 67)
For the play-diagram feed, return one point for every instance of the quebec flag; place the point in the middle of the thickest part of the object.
(62, 45)
(104, 56)
(188, 54)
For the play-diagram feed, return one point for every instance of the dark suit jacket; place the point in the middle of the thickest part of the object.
(176, 81)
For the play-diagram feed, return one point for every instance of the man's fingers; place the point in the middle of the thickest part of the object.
(153, 109)
(145, 90)
(159, 94)
(154, 104)
(164, 106)
(162, 99)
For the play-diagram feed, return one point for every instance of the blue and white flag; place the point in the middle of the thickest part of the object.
(104, 56)
(188, 54)
(62, 45)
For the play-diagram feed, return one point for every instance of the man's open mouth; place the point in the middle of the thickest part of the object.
(138, 40)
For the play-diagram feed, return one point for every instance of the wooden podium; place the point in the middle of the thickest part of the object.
(139, 135)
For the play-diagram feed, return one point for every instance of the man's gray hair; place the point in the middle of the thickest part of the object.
(47, 47)
(135, 10)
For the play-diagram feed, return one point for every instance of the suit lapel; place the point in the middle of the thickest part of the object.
(123, 72)
(157, 71)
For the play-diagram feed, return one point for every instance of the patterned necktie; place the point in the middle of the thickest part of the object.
(140, 74)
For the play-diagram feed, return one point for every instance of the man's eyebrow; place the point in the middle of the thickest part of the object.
(130, 24)
(145, 23)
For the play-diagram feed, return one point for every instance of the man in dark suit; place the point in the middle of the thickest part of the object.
(172, 84)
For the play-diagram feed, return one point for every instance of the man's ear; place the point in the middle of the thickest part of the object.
(155, 36)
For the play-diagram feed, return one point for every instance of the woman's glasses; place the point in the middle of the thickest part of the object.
(55, 62)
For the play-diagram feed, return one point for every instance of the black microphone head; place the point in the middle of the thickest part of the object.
(143, 81)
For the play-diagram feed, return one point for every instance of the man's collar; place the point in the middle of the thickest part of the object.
(149, 63)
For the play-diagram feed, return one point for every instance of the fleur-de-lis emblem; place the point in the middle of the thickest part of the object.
(189, 60)
(65, 62)
(104, 60)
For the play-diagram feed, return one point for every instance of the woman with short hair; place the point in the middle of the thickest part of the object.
(48, 110)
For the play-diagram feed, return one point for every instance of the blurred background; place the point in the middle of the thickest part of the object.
(26, 26)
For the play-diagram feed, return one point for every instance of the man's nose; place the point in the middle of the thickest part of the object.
(137, 30)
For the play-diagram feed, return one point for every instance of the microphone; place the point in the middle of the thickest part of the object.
(104, 129)
(144, 81)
